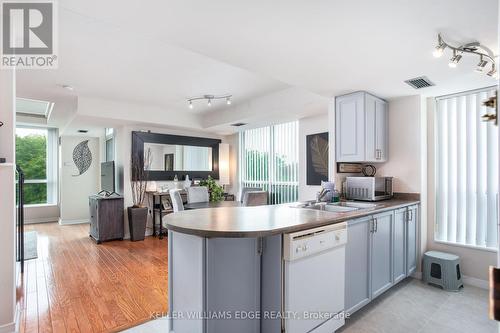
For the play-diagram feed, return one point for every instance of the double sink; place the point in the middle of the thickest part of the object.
(337, 207)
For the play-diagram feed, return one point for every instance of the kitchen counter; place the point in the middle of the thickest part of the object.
(263, 221)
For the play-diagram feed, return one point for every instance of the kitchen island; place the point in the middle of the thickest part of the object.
(229, 270)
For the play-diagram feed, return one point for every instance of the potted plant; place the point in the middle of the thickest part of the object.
(138, 213)
(216, 191)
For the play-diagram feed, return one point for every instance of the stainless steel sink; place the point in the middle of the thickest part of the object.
(337, 207)
(360, 205)
(330, 207)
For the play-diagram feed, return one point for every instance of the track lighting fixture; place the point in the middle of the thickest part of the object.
(209, 99)
(485, 55)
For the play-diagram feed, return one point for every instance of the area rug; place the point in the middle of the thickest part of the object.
(30, 245)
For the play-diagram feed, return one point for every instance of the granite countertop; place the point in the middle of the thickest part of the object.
(261, 221)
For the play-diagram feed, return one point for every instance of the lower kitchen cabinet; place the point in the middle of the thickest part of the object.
(233, 283)
(411, 237)
(357, 257)
(381, 253)
(399, 241)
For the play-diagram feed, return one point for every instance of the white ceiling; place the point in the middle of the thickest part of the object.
(162, 52)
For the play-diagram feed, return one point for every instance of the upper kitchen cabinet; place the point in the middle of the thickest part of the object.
(360, 128)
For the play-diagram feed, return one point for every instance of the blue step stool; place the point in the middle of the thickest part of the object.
(443, 270)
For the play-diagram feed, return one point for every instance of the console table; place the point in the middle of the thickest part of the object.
(158, 208)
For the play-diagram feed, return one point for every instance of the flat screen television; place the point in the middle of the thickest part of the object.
(108, 177)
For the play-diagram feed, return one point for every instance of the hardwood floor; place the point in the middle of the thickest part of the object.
(76, 285)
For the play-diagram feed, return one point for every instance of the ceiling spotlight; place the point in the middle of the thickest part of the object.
(493, 73)
(228, 101)
(209, 103)
(482, 63)
(191, 105)
(455, 59)
(438, 51)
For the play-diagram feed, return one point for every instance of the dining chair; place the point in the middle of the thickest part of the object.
(197, 194)
(176, 200)
(255, 198)
(248, 189)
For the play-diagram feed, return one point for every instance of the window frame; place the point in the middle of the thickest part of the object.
(290, 188)
(435, 169)
(51, 166)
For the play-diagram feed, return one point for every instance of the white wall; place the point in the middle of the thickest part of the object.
(41, 213)
(7, 202)
(307, 126)
(404, 145)
(234, 186)
(474, 262)
(75, 190)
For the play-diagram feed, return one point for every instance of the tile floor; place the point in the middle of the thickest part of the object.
(410, 307)
(413, 306)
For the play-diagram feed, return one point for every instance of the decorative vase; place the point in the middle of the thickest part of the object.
(137, 218)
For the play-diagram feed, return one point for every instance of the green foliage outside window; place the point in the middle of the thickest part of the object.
(257, 174)
(31, 156)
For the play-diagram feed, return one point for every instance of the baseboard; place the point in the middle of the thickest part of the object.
(475, 282)
(69, 222)
(42, 220)
(8, 328)
(468, 280)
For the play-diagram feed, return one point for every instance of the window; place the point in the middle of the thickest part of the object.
(110, 144)
(269, 159)
(466, 171)
(36, 154)
(33, 108)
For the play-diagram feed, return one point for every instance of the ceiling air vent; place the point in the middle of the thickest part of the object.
(420, 82)
(238, 124)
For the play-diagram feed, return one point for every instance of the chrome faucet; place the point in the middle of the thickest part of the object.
(322, 194)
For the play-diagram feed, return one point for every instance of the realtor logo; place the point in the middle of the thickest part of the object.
(28, 34)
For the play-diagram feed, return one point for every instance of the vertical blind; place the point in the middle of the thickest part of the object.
(269, 159)
(466, 170)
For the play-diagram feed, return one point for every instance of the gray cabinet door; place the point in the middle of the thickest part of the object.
(399, 241)
(350, 128)
(376, 129)
(381, 254)
(233, 283)
(381, 137)
(411, 247)
(357, 258)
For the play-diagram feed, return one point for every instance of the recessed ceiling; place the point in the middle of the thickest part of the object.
(162, 52)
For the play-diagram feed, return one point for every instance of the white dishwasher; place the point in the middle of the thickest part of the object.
(314, 261)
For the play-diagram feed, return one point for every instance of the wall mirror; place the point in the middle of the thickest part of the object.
(171, 155)
(163, 157)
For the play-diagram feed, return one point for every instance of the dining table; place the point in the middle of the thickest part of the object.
(212, 204)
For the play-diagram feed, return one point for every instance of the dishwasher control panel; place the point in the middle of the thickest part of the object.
(308, 242)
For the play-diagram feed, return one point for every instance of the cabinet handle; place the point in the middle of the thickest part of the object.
(372, 225)
(411, 214)
(375, 225)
